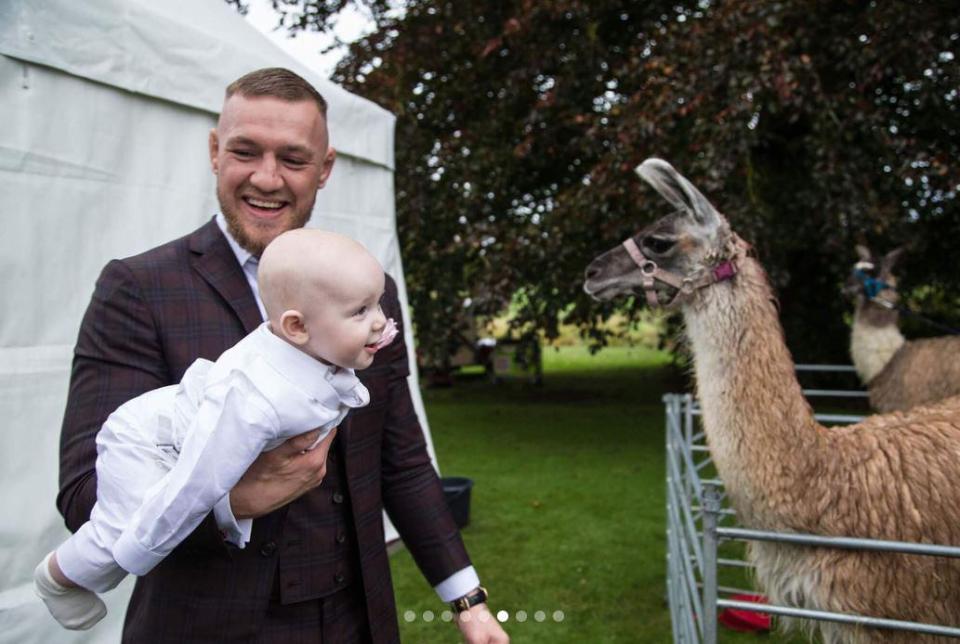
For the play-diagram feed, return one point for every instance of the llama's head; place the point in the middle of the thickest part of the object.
(674, 255)
(872, 283)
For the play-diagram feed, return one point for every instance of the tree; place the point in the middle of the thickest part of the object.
(811, 125)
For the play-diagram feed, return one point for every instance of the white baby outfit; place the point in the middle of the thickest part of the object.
(165, 458)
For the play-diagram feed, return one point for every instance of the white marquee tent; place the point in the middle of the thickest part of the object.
(106, 106)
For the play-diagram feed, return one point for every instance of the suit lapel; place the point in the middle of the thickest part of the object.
(218, 266)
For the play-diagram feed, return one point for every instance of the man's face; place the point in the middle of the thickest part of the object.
(345, 321)
(270, 157)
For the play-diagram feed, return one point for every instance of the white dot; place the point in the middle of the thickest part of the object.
(558, 615)
(539, 615)
(521, 615)
(428, 615)
(446, 616)
(409, 615)
(502, 616)
(484, 616)
(466, 616)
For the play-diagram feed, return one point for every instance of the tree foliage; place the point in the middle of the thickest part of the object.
(811, 125)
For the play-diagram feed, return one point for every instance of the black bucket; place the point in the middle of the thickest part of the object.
(456, 489)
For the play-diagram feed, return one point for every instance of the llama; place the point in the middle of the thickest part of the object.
(899, 374)
(890, 477)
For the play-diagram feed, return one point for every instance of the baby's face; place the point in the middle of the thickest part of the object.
(344, 320)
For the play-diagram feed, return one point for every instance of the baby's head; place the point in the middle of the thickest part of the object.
(322, 294)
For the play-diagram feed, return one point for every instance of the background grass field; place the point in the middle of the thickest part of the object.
(568, 510)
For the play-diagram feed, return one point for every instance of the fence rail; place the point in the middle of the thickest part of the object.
(698, 520)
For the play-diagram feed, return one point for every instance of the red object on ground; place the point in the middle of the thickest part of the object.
(737, 619)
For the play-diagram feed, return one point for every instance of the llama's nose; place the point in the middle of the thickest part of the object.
(591, 272)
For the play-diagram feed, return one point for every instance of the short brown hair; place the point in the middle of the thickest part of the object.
(277, 82)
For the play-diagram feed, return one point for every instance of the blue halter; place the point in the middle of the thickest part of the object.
(871, 285)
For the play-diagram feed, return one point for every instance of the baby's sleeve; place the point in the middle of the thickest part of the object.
(233, 424)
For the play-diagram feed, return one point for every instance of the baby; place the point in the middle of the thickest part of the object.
(167, 457)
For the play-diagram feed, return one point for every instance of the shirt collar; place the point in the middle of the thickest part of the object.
(242, 254)
(309, 374)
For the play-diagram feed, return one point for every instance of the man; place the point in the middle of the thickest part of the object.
(314, 566)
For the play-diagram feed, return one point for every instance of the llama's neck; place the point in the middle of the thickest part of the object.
(762, 434)
(873, 341)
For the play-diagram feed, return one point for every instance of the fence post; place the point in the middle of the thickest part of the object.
(687, 405)
(711, 514)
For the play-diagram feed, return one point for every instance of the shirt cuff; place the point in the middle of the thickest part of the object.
(233, 531)
(458, 584)
(133, 556)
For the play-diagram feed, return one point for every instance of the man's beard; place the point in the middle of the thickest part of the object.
(252, 245)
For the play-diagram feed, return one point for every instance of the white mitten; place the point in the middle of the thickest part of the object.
(75, 608)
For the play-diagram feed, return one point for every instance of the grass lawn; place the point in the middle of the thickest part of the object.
(567, 510)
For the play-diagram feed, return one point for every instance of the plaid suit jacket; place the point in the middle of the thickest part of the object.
(149, 318)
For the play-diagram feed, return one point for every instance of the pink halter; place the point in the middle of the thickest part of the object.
(685, 286)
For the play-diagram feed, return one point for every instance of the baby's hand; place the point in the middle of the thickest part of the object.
(389, 333)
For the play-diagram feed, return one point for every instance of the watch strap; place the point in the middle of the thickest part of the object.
(469, 600)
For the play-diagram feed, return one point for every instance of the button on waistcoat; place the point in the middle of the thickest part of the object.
(317, 547)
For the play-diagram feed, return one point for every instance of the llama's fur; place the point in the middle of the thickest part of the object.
(920, 372)
(872, 348)
(889, 477)
(898, 373)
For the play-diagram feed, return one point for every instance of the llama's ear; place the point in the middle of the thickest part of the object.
(891, 258)
(675, 188)
(863, 253)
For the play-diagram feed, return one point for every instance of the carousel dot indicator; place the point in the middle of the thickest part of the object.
(428, 615)
(539, 615)
(502, 616)
(409, 615)
(558, 615)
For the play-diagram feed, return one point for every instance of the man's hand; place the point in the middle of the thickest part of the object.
(478, 626)
(281, 475)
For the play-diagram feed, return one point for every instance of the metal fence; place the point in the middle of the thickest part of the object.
(699, 521)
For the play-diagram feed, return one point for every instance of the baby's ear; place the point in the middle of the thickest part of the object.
(292, 327)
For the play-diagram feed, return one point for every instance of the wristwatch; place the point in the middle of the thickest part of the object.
(472, 598)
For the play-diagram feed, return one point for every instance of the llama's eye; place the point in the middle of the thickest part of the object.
(658, 245)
